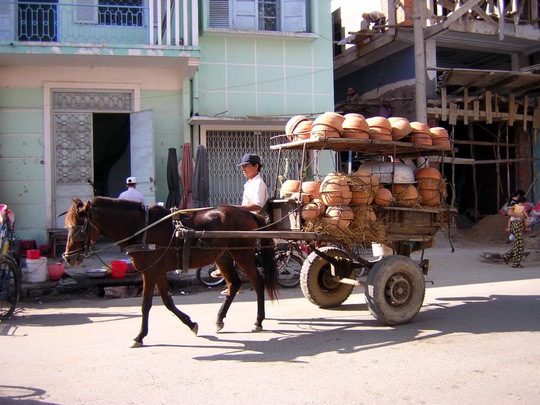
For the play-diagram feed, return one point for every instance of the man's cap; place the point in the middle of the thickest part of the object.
(131, 180)
(250, 158)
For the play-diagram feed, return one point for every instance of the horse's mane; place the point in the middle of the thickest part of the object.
(96, 202)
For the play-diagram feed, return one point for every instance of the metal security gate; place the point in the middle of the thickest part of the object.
(226, 148)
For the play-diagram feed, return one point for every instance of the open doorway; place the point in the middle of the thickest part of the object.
(111, 152)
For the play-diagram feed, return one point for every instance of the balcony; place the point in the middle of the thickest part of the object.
(31, 29)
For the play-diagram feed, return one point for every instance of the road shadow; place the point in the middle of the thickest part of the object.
(474, 315)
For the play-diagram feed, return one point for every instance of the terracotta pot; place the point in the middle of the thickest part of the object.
(427, 172)
(420, 127)
(405, 191)
(303, 130)
(380, 137)
(419, 138)
(293, 123)
(430, 198)
(401, 127)
(311, 187)
(383, 197)
(289, 187)
(364, 186)
(334, 189)
(441, 142)
(439, 132)
(328, 124)
(338, 216)
(355, 126)
(312, 210)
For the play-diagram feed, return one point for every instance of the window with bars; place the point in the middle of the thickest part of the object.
(261, 15)
(124, 13)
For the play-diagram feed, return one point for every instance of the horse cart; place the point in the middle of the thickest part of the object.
(159, 241)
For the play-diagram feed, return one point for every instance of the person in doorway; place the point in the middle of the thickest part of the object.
(255, 192)
(352, 95)
(132, 193)
(376, 18)
(517, 224)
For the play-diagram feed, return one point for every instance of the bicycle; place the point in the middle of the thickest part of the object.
(10, 274)
(289, 266)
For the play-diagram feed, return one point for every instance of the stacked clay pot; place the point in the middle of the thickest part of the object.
(328, 124)
(335, 190)
(439, 137)
(298, 127)
(421, 135)
(338, 216)
(401, 127)
(384, 197)
(364, 186)
(355, 126)
(288, 188)
(429, 186)
(405, 195)
(312, 189)
(379, 129)
(312, 210)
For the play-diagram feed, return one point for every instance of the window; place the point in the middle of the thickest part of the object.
(263, 15)
(124, 13)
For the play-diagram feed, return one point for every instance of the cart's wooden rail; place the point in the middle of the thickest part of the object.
(366, 147)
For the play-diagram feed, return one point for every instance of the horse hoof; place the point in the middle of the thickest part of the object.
(136, 344)
(195, 328)
(257, 328)
(219, 326)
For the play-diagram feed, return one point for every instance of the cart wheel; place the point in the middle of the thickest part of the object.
(395, 290)
(317, 283)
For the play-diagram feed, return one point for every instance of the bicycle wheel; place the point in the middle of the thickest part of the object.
(10, 286)
(289, 269)
(204, 276)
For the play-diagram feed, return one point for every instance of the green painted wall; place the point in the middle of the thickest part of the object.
(253, 74)
(22, 169)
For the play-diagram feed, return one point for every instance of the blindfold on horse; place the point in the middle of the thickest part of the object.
(156, 241)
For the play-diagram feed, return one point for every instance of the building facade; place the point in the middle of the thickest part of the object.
(470, 66)
(94, 91)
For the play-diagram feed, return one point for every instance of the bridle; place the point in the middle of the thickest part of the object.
(81, 233)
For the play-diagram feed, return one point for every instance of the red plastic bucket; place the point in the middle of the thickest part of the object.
(118, 268)
(33, 254)
(55, 271)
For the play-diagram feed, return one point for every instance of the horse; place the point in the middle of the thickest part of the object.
(155, 247)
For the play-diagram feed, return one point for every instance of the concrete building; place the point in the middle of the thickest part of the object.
(469, 66)
(94, 91)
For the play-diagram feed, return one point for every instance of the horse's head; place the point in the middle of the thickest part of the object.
(81, 233)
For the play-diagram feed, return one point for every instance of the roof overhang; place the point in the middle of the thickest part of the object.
(255, 122)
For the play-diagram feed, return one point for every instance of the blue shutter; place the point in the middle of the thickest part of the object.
(293, 15)
(245, 15)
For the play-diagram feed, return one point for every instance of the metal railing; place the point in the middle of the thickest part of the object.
(114, 22)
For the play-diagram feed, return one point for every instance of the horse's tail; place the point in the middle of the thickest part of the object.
(268, 259)
(269, 266)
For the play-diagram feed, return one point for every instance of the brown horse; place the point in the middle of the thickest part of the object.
(150, 239)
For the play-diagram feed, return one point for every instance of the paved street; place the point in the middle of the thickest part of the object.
(476, 340)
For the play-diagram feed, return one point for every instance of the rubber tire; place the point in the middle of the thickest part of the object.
(317, 283)
(294, 264)
(204, 277)
(9, 295)
(389, 273)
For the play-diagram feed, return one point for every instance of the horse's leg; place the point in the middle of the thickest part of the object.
(149, 283)
(163, 286)
(247, 264)
(226, 266)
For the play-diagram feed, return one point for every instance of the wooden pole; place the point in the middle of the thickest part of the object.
(471, 136)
